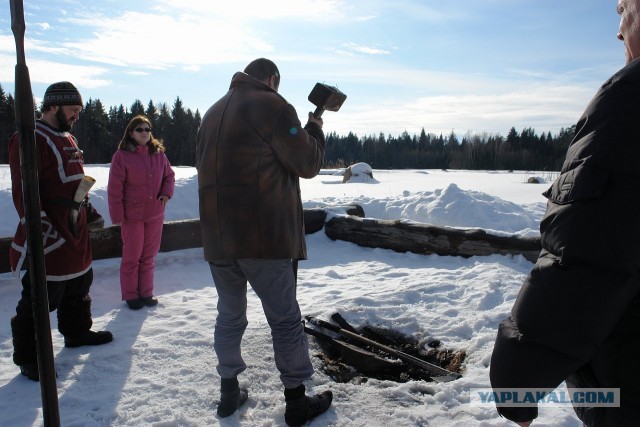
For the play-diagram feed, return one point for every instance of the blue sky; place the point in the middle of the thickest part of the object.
(467, 65)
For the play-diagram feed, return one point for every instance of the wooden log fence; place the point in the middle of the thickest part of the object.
(347, 223)
(403, 236)
(176, 235)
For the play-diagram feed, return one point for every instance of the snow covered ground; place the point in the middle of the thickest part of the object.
(160, 369)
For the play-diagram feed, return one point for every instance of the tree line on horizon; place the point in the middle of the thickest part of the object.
(99, 131)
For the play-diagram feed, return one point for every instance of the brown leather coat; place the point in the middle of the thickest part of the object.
(251, 151)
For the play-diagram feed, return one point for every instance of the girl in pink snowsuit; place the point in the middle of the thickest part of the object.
(141, 183)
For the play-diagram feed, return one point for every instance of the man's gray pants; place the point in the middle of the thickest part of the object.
(275, 284)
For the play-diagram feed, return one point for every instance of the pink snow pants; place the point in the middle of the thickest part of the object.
(140, 245)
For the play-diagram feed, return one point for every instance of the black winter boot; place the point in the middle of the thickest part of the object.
(24, 349)
(89, 338)
(149, 301)
(231, 397)
(135, 304)
(24, 341)
(74, 322)
(74, 315)
(301, 408)
(31, 371)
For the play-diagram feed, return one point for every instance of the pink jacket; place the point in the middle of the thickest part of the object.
(136, 181)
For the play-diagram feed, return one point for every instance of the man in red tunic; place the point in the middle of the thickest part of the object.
(65, 231)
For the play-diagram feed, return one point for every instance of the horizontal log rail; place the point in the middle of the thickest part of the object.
(403, 236)
(400, 236)
(176, 235)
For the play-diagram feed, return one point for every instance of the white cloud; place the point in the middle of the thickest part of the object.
(247, 10)
(544, 108)
(160, 41)
(7, 65)
(365, 49)
(7, 44)
(137, 73)
(43, 71)
(365, 18)
(170, 34)
(198, 44)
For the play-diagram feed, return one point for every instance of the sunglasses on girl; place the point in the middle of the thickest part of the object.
(143, 130)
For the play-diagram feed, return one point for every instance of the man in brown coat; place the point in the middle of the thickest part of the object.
(251, 152)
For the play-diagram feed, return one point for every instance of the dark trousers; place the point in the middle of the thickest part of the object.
(71, 299)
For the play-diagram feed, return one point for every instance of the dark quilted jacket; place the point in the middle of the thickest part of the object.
(577, 316)
(251, 152)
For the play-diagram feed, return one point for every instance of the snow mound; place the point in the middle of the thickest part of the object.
(359, 172)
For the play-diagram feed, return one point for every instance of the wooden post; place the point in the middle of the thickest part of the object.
(25, 124)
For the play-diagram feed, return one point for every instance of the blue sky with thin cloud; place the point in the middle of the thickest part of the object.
(468, 65)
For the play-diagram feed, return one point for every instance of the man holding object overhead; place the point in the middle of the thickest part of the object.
(251, 152)
(65, 230)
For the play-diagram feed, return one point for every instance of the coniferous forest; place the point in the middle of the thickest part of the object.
(100, 129)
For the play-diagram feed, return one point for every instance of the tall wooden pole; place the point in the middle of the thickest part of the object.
(25, 124)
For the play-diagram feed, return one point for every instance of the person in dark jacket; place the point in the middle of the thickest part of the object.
(577, 316)
(251, 151)
(65, 230)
